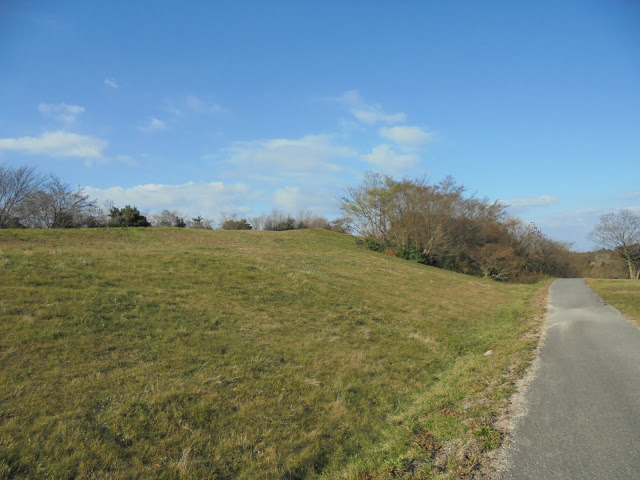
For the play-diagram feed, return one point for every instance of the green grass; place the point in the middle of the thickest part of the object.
(173, 353)
(622, 294)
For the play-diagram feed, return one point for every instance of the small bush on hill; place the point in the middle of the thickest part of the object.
(127, 217)
(233, 224)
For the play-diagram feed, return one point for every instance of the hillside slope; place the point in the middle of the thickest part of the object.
(172, 353)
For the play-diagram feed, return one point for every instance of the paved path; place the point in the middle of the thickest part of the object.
(582, 408)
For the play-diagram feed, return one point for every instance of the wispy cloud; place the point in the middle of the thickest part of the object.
(407, 137)
(56, 144)
(109, 82)
(281, 157)
(369, 113)
(153, 125)
(191, 198)
(61, 112)
(523, 203)
(390, 161)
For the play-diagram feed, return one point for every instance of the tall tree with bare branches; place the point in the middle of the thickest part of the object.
(17, 186)
(620, 232)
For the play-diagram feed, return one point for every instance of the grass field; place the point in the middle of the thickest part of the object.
(622, 294)
(173, 353)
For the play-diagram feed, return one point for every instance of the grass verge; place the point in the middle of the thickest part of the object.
(622, 294)
(172, 353)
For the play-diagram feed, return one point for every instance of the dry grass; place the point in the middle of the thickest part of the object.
(622, 294)
(169, 353)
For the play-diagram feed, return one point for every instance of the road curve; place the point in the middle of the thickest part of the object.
(580, 415)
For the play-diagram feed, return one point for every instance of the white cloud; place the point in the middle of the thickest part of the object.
(153, 125)
(409, 138)
(388, 160)
(56, 144)
(369, 113)
(287, 198)
(207, 199)
(531, 202)
(61, 111)
(109, 82)
(279, 157)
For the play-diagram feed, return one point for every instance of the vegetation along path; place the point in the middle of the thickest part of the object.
(581, 412)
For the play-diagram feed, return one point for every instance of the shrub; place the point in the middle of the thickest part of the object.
(370, 243)
(127, 217)
(233, 224)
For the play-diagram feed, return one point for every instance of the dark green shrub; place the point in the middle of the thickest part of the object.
(286, 224)
(127, 217)
(370, 243)
(414, 254)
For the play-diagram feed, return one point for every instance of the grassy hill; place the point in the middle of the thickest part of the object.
(173, 353)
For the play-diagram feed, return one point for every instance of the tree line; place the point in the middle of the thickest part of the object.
(30, 200)
(439, 225)
(434, 224)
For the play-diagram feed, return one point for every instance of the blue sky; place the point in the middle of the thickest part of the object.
(211, 107)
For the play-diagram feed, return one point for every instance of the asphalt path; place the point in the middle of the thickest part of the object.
(580, 414)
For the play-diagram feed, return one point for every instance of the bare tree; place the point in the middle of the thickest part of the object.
(279, 221)
(495, 261)
(168, 218)
(200, 222)
(370, 206)
(57, 205)
(232, 221)
(620, 232)
(16, 187)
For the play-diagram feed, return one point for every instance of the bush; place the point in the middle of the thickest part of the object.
(414, 254)
(127, 217)
(370, 243)
(233, 224)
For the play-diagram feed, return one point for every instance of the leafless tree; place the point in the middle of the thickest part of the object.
(200, 222)
(620, 232)
(370, 206)
(17, 185)
(57, 205)
(168, 218)
(496, 261)
(278, 221)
